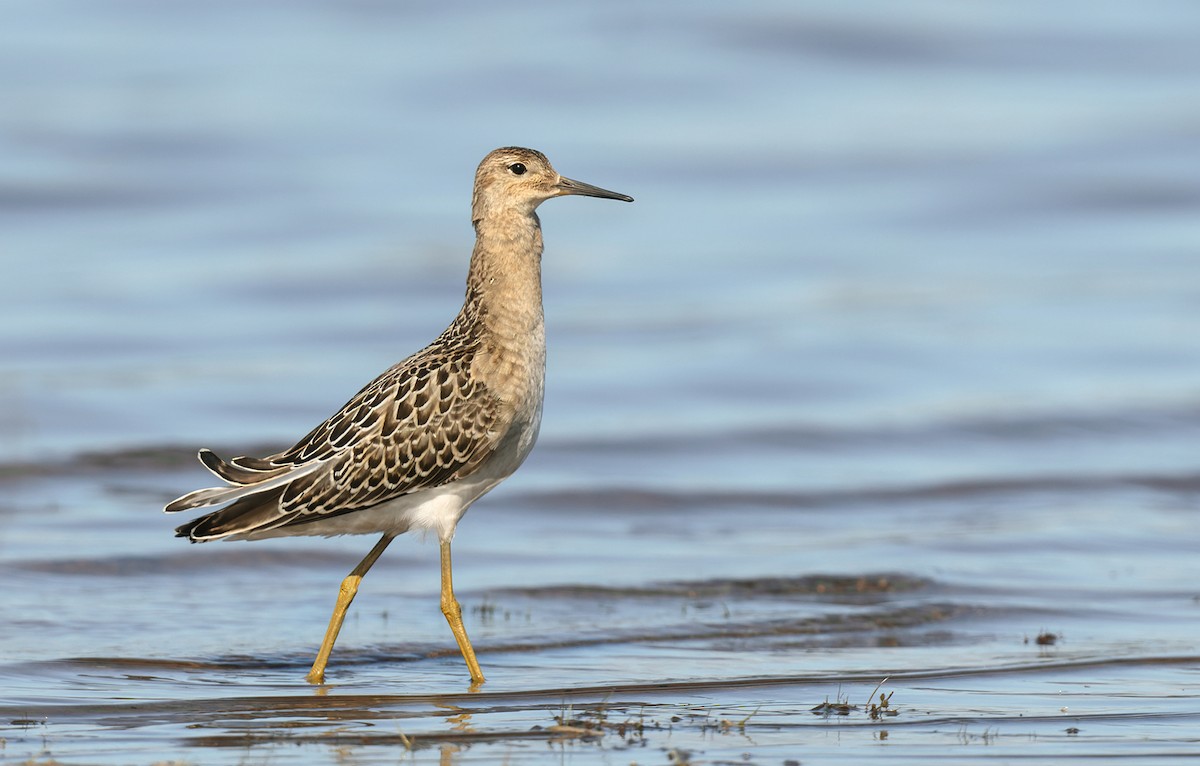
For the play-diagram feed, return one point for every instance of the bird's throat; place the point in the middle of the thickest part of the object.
(505, 277)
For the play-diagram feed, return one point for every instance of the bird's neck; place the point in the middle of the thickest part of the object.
(505, 279)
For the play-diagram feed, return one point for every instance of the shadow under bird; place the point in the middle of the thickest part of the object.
(427, 438)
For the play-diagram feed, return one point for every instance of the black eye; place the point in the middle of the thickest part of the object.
(517, 168)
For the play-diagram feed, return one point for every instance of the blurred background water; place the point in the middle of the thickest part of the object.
(907, 289)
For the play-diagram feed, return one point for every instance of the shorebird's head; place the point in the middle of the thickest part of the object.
(516, 179)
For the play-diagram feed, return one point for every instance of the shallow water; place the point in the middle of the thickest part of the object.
(891, 369)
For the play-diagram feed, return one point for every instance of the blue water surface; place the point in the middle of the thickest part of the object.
(907, 288)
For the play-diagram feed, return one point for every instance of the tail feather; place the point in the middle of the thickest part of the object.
(239, 478)
(202, 498)
(240, 470)
(254, 513)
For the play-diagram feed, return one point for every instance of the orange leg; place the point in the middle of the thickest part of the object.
(345, 596)
(453, 612)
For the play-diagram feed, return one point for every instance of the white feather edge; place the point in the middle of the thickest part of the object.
(203, 498)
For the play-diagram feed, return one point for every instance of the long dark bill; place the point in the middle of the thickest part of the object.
(569, 186)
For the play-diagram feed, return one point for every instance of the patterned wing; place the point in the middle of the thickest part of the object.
(419, 425)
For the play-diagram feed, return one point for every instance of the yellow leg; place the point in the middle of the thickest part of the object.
(345, 596)
(453, 612)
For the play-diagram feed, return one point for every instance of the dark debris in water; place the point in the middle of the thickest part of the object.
(1045, 638)
(877, 707)
(616, 726)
